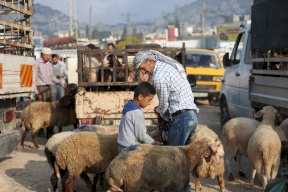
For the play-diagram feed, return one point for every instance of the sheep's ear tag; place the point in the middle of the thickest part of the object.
(216, 158)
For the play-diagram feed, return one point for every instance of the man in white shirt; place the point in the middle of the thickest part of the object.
(60, 72)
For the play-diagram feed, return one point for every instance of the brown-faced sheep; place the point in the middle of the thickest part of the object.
(208, 169)
(149, 167)
(41, 114)
(264, 147)
(74, 155)
(52, 145)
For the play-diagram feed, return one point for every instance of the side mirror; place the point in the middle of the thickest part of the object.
(226, 60)
(192, 80)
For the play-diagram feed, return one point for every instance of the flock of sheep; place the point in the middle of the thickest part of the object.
(93, 150)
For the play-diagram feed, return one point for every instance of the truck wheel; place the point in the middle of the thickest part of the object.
(214, 101)
(224, 112)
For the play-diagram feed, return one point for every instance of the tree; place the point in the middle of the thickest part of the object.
(124, 34)
(134, 31)
(177, 25)
(124, 42)
(100, 34)
(87, 31)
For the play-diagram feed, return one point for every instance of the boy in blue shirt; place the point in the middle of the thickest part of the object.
(132, 129)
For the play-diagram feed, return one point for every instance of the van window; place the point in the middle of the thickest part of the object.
(199, 59)
(236, 54)
(248, 50)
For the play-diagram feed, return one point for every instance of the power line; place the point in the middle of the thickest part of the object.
(128, 15)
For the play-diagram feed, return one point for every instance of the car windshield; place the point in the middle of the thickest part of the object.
(199, 59)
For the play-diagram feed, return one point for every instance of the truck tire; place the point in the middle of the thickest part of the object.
(224, 112)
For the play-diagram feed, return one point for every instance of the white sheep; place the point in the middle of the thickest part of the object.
(90, 69)
(50, 150)
(149, 167)
(74, 156)
(284, 126)
(52, 145)
(41, 114)
(208, 169)
(264, 147)
(4, 184)
(236, 134)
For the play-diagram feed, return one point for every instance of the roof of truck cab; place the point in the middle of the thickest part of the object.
(200, 50)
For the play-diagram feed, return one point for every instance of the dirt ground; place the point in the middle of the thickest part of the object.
(27, 169)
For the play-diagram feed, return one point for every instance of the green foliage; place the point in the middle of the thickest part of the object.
(87, 31)
(100, 34)
(278, 185)
(52, 36)
(124, 42)
(125, 33)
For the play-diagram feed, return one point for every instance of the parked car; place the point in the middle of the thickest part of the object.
(208, 70)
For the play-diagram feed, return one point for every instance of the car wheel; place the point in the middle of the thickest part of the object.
(214, 101)
(224, 112)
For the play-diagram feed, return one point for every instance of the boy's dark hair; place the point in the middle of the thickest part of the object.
(145, 89)
(92, 46)
(54, 55)
(112, 44)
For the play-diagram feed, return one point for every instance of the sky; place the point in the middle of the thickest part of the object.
(110, 11)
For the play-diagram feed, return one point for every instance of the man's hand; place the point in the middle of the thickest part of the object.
(63, 85)
(158, 143)
(38, 96)
(61, 75)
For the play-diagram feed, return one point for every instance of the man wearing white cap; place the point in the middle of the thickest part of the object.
(44, 80)
(44, 77)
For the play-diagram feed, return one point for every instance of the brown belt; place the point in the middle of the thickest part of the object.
(179, 112)
(43, 86)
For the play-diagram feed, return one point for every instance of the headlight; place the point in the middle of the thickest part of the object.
(219, 78)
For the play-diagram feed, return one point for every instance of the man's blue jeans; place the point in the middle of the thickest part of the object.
(57, 92)
(181, 128)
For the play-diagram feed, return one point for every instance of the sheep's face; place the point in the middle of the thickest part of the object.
(72, 88)
(268, 111)
(217, 151)
(67, 100)
(210, 152)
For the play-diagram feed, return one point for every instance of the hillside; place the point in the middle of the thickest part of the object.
(48, 20)
(216, 12)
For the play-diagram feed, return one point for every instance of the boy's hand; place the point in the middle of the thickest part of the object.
(158, 143)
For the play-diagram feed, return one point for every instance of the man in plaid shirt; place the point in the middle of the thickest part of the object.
(174, 93)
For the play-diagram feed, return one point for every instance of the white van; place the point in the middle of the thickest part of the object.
(234, 95)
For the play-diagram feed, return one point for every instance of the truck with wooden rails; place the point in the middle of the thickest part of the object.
(16, 67)
(103, 100)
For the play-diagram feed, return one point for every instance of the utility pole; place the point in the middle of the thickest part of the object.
(203, 18)
(90, 25)
(73, 19)
(128, 15)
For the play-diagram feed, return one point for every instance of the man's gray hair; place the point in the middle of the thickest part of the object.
(157, 56)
